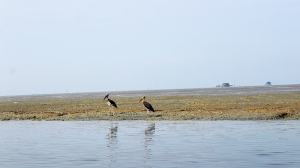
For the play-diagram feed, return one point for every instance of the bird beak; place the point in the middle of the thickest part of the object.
(141, 100)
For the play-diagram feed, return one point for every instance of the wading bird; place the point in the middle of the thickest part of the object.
(147, 105)
(110, 102)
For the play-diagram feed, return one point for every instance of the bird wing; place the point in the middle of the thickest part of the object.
(112, 103)
(148, 106)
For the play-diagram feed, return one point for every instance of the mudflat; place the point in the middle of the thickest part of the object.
(231, 103)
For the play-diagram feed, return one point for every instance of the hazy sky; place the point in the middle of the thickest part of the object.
(56, 46)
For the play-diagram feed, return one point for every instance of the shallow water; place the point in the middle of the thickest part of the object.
(149, 144)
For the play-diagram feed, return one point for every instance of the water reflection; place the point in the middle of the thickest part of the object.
(112, 141)
(149, 130)
(148, 140)
(113, 129)
(149, 144)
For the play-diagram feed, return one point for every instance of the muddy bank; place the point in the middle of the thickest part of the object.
(236, 103)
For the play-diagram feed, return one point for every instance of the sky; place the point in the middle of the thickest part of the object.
(73, 46)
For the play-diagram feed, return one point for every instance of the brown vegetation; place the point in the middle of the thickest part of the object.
(260, 106)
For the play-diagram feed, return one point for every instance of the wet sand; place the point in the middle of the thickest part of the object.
(234, 103)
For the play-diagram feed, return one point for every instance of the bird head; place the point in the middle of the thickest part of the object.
(106, 96)
(143, 99)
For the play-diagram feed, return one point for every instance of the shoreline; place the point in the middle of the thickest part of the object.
(279, 102)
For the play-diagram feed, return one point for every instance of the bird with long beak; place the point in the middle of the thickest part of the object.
(147, 105)
(110, 102)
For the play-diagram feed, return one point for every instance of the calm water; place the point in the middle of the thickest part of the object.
(150, 144)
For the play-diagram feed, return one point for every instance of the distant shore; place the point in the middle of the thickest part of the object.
(278, 102)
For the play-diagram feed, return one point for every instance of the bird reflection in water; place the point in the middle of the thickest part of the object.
(148, 138)
(150, 129)
(113, 129)
(112, 141)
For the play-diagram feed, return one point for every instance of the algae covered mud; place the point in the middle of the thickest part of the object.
(233, 103)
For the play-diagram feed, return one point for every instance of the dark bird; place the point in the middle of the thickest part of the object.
(109, 101)
(146, 104)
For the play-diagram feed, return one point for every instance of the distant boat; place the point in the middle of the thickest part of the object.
(224, 85)
(268, 83)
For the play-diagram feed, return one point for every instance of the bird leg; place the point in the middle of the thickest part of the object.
(111, 111)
